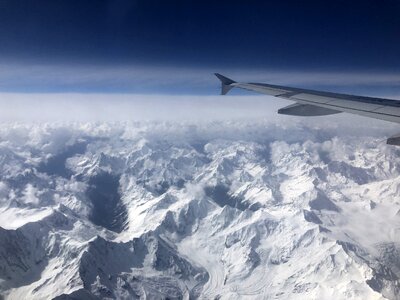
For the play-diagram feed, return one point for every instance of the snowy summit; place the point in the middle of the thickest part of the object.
(223, 210)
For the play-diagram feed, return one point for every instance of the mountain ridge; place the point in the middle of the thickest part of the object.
(222, 210)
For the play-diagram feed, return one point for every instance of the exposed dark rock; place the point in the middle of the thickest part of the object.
(108, 210)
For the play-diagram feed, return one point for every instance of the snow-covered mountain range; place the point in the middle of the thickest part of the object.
(219, 210)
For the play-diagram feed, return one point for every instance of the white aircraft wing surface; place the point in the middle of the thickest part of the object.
(318, 103)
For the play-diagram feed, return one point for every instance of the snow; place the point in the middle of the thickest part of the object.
(229, 210)
(13, 218)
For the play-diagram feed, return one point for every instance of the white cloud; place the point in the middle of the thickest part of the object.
(82, 108)
(129, 107)
(31, 195)
(4, 190)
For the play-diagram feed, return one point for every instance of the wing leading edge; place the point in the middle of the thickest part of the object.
(318, 103)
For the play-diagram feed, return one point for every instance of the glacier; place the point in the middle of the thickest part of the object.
(210, 210)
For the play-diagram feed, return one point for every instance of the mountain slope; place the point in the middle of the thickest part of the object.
(226, 210)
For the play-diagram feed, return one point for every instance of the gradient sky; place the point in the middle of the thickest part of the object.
(129, 46)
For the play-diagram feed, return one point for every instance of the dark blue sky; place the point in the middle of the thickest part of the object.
(279, 35)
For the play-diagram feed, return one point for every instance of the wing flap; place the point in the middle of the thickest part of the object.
(394, 140)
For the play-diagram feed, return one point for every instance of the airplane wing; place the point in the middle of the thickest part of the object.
(318, 103)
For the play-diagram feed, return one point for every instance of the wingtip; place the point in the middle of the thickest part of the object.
(225, 83)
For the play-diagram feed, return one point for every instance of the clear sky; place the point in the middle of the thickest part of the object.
(174, 46)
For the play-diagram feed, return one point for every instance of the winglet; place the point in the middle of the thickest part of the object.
(225, 83)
